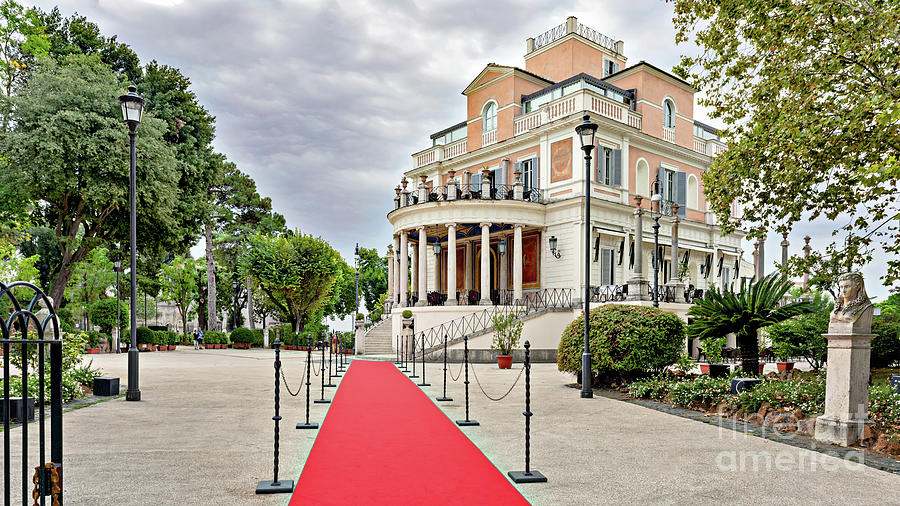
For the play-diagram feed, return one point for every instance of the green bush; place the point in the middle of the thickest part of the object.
(703, 390)
(348, 338)
(66, 318)
(257, 337)
(93, 338)
(214, 337)
(241, 335)
(146, 336)
(103, 314)
(886, 344)
(407, 313)
(624, 341)
(801, 336)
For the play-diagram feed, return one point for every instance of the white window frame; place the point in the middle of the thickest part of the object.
(489, 123)
(669, 112)
(529, 175)
(608, 278)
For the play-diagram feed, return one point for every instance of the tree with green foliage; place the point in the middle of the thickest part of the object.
(71, 147)
(755, 307)
(90, 280)
(22, 39)
(179, 286)
(802, 336)
(373, 270)
(296, 271)
(809, 92)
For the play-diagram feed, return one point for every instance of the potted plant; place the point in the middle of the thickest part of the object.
(507, 332)
(93, 342)
(348, 339)
(145, 338)
(407, 318)
(241, 338)
(712, 349)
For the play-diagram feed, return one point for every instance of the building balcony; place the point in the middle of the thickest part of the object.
(472, 192)
(709, 147)
(578, 102)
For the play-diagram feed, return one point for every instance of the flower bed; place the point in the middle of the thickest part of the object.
(788, 402)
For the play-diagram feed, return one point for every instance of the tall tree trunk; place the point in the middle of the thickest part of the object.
(749, 345)
(59, 287)
(210, 281)
(250, 320)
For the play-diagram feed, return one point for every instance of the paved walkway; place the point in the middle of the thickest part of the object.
(203, 435)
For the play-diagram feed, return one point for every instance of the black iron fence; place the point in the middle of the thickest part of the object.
(530, 303)
(43, 353)
(473, 192)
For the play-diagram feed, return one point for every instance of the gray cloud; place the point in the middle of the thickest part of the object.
(323, 102)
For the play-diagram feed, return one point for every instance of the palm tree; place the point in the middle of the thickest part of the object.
(744, 313)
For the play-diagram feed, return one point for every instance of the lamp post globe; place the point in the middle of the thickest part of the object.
(586, 131)
(132, 112)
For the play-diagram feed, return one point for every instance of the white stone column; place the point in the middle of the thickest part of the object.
(784, 250)
(806, 250)
(390, 257)
(762, 257)
(637, 285)
(469, 267)
(404, 269)
(485, 264)
(756, 267)
(504, 270)
(397, 270)
(414, 269)
(451, 264)
(423, 267)
(437, 271)
(518, 255)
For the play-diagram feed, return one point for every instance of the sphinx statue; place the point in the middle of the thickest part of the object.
(852, 310)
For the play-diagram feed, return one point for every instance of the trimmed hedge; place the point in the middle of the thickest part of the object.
(241, 335)
(103, 314)
(257, 337)
(625, 341)
(886, 344)
(145, 335)
(215, 337)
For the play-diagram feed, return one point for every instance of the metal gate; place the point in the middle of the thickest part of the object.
(39, 353)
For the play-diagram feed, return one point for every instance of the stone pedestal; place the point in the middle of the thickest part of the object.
(846, 389)
(638, 289)
(360, 338)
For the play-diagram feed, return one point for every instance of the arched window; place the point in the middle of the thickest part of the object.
(668, 113)
(642, 179)
(489, 117)
(693, 192)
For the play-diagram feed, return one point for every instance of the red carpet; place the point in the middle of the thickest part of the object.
(385, 442)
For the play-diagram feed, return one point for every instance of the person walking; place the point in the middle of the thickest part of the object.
(200, 337)
(195, 335)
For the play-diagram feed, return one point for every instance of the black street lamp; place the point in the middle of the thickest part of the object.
(118, 267)
(132, 110)
(356, 264)
(657, 198)
(586, 131)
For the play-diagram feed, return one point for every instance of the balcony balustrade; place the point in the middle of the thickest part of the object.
(488, 138)
(471, 192)
(669, 134)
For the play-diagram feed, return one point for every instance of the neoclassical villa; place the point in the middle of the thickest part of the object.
(492, 211)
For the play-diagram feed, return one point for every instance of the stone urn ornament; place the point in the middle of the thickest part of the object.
(847, 376)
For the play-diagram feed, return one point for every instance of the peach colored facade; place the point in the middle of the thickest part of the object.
(525, 204)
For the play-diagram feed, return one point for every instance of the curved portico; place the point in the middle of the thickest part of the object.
(450, 238)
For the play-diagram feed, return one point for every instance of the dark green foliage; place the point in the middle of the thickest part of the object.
(803, 335)
(215, 337)
(625, 341)
(348, 338)
(241, 335)
(103, 314)
(886, 344)
(146, 336)
(257, 337)
(744, 313)
(373, 270)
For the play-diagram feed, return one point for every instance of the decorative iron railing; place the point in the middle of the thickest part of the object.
(608, 293)
(596, 37)
(549, 36)
(531, 302)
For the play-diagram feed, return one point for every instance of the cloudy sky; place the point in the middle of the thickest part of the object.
(323, 102)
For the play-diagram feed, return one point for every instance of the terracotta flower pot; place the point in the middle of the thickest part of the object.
(504, 361)
(93, 351)
(785, 366)
(761, 368)
(704, 368)
(172, 347)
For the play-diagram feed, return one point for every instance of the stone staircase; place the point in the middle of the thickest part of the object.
(378, 338)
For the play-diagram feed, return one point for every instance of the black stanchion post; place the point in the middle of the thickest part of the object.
(413, 349)
(527, 476)
(404, 355)
(444, 397)
(330, 384)
(275, 486)
(423, 384)
(323, 400)
(338, 371)
(466, 422)
(308, 425)
(397, 359)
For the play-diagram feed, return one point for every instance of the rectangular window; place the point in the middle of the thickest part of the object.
(529, 174)
(605, 165)
(670, 185)
(607, 266)
(609, 67)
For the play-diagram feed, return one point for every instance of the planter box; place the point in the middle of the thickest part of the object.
(93, 351)
(718, 370)
(19, 410)
(172, 347)
(785, 366)
(348, 352)
(106, 386)
(504, 361)
(241, 346)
